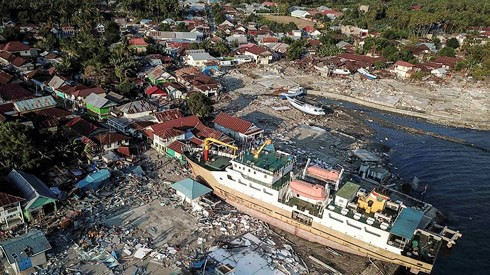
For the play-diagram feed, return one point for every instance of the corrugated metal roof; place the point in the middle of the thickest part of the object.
(139, 106)
(98, 101)
(233, 123)
(7, 199)
(191, 188)
(29, 185)
(25, 246)
(406, 223)
(33, 104)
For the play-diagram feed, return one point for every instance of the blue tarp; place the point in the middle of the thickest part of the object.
(94, 180)
(191, 188)
(406, 223)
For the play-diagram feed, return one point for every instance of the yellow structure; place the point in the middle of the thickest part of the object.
(373, 202)
(207, 144)
(257, 153)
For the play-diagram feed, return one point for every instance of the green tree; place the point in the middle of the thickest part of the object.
(126, 88)
(112, 33)
(328, 50)
(12, 33)
(453, 43)
(219, 18)
(164, 27)
(24, 148)
(181, 27)
(65, 66)
(199, 104)
(296, 49)
(447, 51)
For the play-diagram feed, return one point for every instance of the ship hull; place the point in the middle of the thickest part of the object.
(318, 233)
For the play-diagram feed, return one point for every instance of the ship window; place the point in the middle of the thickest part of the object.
(371, 232)
(265, 176)
(230, 177)
(249, 170)
(265, 191)
(251, 186)
(255, 172)
(334, 218)
(353, 225)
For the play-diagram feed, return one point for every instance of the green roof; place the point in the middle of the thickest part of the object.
(191, 188)
(348, 190)
(270, 161)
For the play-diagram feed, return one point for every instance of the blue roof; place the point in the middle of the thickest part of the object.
(191, 188)
(95, 179)
(16, 248)
(406, 223)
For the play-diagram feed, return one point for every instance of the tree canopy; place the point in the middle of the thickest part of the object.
(24, 148)
(199, 104)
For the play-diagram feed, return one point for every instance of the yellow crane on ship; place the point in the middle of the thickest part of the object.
(257, 152)
(209, 141)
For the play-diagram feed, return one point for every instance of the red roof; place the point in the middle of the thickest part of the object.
(308, 190)
(124, 151)
(138, 41)
(18, 61)
(236, 124)
(204, 131)
(447, 60)
(168, 133)
(52, 113)
(309, 29)
(270, 39)
(403, 64)
(182, 122)
(254, 49)
(5, 77)
(7, 107)
(109, 138)
(269, 4)
(154, 90)
(168, 115)
(86, 92)
(15, 46)
(334, 12)
(177, 146)
(7, 199)
(416, 7)
(13, 91)
(81, 126)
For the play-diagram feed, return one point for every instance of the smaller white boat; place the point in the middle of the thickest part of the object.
(305, 107)
(293, 92)
(341, 72)
(365, 73)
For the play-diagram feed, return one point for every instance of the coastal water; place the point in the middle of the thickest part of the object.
(458, 179)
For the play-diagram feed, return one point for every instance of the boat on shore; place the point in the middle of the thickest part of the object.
(341, 72)
(366, 74)
(319, 205)
(305, 107)
(293, 92)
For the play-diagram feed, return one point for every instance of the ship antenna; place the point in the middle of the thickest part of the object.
(306, 166)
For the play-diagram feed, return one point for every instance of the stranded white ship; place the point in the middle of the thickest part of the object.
(315, 205)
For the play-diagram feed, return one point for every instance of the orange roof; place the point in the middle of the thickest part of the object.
(234, 123)
(308, 190)
(322, 173)
(403, 64)
(138, 41)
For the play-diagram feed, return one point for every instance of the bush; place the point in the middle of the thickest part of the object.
(446, 51)
(453, 43)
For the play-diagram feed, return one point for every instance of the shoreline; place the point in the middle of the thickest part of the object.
(439, 120)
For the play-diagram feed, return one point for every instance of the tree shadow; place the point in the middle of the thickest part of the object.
(265, 121)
